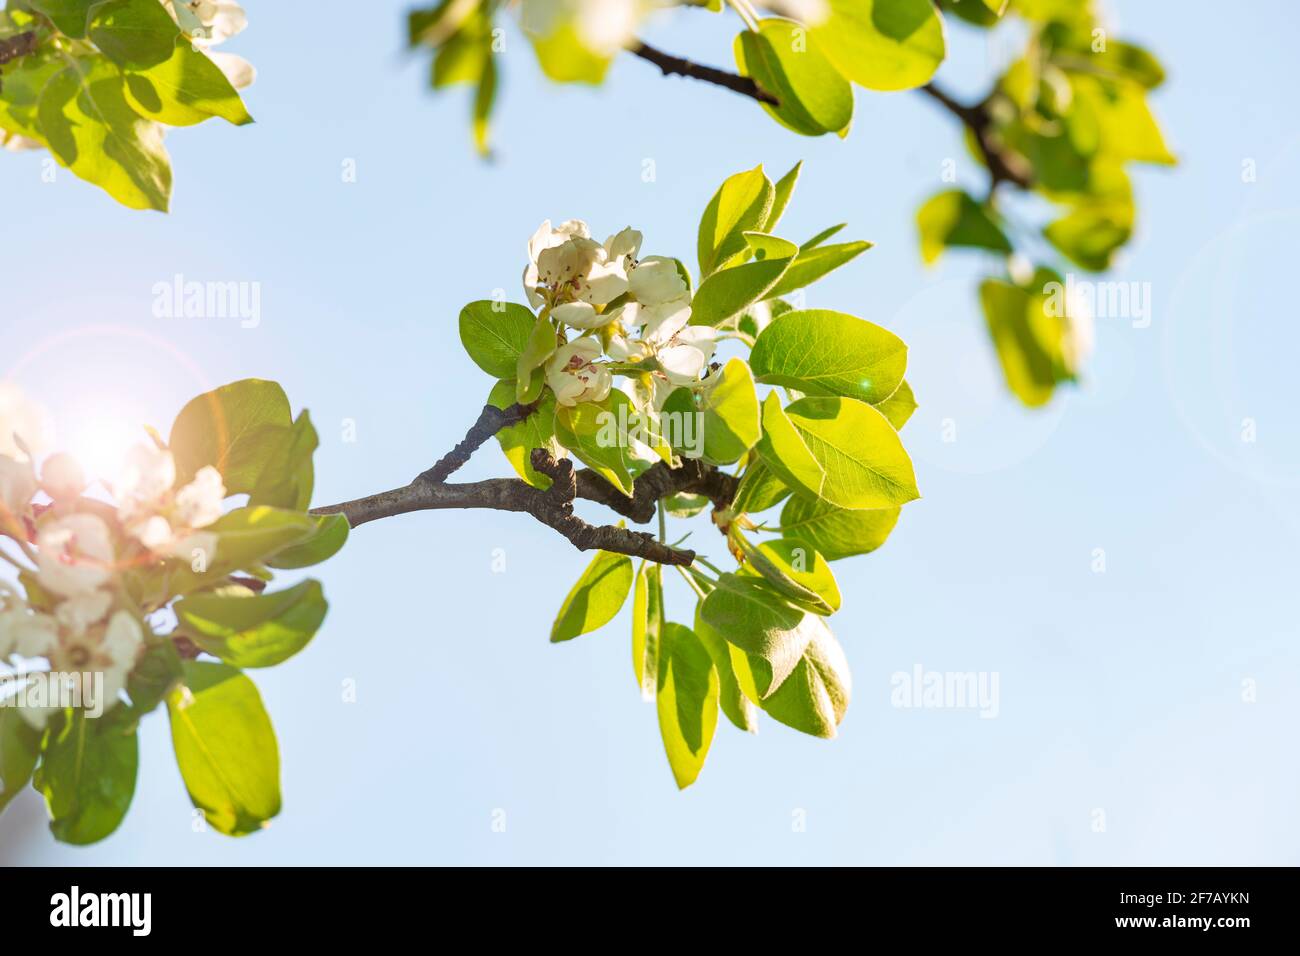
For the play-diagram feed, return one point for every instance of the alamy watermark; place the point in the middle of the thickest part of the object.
(54, 690)
(946, 690)
(683, 431)
(191, 299)
(1101, 299)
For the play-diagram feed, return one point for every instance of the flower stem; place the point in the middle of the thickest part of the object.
(746, 12)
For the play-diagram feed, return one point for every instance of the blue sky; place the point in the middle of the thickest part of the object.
(1120, 692)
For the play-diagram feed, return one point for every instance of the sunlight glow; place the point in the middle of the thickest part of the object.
(100, 444)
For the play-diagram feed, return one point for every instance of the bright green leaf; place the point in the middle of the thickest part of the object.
(687, 702)
(185, 89)
(742, 204)
(257, 630)
(596, 598)
(883, 44)
(830, 353)
(225, 748)
(836, 532)
(785, 61)
(495, 334)
(838, 449)
(92, 130)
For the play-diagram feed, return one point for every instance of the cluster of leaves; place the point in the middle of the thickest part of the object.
(829, 454)
(1061, 123)
(205, 619)
(1067, 117)
(97, 82)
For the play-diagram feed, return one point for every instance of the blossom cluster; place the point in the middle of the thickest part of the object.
(631, 311)
(71, 549)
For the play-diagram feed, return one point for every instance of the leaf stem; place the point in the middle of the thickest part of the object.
(746, 12)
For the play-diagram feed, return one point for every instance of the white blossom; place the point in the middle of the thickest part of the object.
(572, 376)
(74, 554)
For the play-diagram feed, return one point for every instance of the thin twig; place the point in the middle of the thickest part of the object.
(679, 66)
(1005, 166)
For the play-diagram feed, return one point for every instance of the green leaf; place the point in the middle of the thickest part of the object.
(69, 16)
(23, 82)
(330, 535)
(770, 631)
(815, 696)
(87, 775)
(830, 353)
(528, 371)
(20, 744)
(256, 534)
(797, 571)
(740, 710)
(536, 431)
(687, 702)
(184, 89)
(225, 748)
(495, 334)
(565, 59)
(227, 428)
(732, 419)
(1034, 341)
(785, 60)
(594, 433)
(647, 627)
(741, 204)
(835, 532)
(883, 44)
(255, 630)
(92, 130)
(898, 407)
(781, 195)
(596, 598)
(760, 489)
(727, 293)
(822, 236)
(953, 218)
(485, 97)
(134, 34)
(814, 263)
(1090, 235)
(287, 477)
(837, 449)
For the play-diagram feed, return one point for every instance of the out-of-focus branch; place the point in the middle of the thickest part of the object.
(1005, 165)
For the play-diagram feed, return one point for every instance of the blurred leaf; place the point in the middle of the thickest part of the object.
(953, 218)
(883, 44)
(87, 775)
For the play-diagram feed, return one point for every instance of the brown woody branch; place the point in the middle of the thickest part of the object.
(553, 507)
(20, 44)
(679, 66)
(1005, 165)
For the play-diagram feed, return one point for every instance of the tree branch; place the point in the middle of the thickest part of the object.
(554, 506)
(679, 66)
(1005, 166)
(490, 421)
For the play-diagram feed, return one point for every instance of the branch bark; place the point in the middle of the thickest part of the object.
(1005, 166)
(679, 66)
(553, 507)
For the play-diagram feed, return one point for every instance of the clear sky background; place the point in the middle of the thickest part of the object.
(1121, 693)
